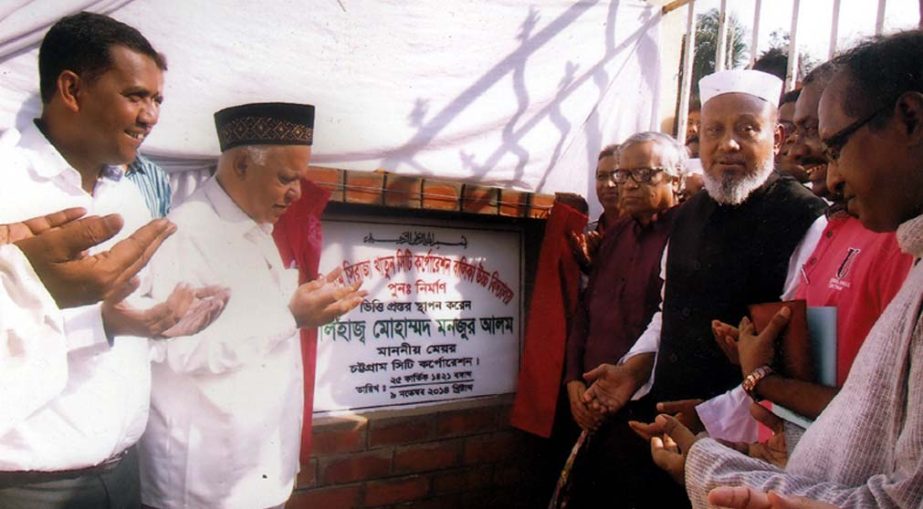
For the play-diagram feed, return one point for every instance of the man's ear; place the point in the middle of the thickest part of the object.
(69, 87)
(909, 112)
(778, 137)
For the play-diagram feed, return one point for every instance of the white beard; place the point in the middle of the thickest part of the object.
(731, 189)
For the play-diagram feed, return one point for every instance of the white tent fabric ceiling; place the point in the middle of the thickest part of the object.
(507, 93)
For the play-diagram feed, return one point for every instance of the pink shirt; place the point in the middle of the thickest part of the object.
(858, 271)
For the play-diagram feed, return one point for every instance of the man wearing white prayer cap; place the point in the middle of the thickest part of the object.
(731, 246)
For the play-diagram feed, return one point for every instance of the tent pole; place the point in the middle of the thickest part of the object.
(834, 29)
(686, 84)
(721, 47)
(754, 43)
(791, 76)
(880, 21)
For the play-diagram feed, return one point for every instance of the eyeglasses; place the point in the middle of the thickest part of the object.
(834, 144)
(639, 175)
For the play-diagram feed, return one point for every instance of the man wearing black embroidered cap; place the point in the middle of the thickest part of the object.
(226, 404)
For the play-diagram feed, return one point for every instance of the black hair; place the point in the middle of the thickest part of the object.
(879, 70)
(608, 151)
(773, 61)
(80, 43)
(822, 73)
(790, 96)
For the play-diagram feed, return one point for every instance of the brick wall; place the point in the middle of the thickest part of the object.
(454, 455)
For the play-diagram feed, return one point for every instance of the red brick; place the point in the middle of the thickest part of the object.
(337, 497)
(540, 205)
(426, 457)
(394, 491)
(441, 195)
(364, 187)
(477, 499)
(338, 439)
(508, 474)
(513, 203)
(466, 422)
(399, 431)
(330, 179)
(491, 448)
(403, 191)
(462, 480)
(355, 467)
(479, 199)
(503, 416)
(307, 478)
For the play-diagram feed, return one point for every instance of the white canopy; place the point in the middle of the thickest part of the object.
(507, 93)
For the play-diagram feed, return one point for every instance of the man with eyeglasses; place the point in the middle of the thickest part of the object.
(586, 244)
(730, 246)
(623, 290)
(866, 448)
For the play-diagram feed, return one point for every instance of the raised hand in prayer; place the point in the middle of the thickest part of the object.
(745, 497)
(726, 336)
(322, 300)
(586, 417)
(682, 410)
(584, 247)
(774, 449)
(670, 442)
(613, 386)
(185, 312)
(56, 244)
(759, 350)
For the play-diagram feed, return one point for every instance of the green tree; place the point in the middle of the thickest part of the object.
(706, 43)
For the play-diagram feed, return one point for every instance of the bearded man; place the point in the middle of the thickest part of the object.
(730, 247)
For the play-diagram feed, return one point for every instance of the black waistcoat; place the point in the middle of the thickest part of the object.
(722, 258)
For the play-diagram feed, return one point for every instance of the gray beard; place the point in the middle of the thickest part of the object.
(730, 189)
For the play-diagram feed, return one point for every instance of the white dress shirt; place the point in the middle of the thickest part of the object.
(31, 372)
(226, 404)
(101, 408)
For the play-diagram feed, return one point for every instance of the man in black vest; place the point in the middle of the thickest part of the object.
(730, 247)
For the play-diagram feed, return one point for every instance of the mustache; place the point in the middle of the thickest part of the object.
(731, 160)
(812, 161)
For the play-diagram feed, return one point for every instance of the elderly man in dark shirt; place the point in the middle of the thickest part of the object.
(624, 287)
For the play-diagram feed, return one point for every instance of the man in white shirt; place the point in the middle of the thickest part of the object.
(43, 269)
(227, 403)
(101, 86)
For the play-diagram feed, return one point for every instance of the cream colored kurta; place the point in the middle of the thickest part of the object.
(866, 448)
(226, 404)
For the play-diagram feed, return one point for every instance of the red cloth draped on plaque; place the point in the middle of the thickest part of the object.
(299, 237)
(554, 300)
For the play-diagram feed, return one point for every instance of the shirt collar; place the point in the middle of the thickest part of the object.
(230, 212)
(48, 162)
(910, 236)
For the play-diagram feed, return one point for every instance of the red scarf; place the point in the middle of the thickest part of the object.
(554, 301)
(299, 237)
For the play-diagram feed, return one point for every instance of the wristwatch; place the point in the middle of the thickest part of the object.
(751, 380)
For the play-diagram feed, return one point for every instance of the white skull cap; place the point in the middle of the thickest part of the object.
(743, 81)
